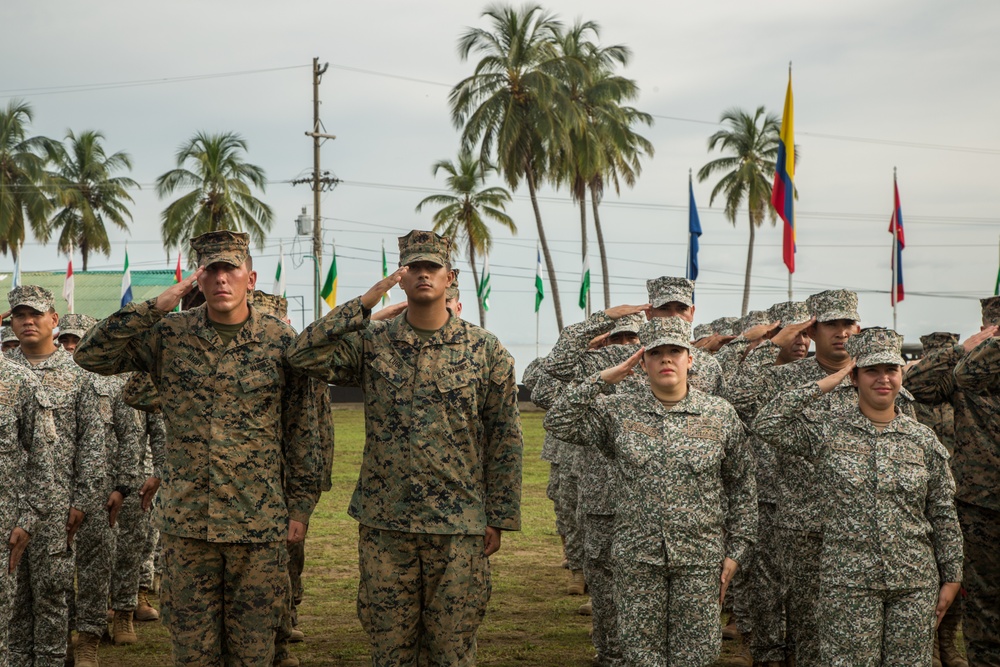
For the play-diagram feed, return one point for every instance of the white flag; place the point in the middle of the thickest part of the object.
(68, 286)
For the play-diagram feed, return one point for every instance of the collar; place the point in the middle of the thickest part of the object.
(252, 331)
(400, 330)
(690, 404)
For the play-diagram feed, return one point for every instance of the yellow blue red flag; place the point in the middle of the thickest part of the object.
(783, 191)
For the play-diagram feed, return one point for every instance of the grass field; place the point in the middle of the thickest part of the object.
(530, 620)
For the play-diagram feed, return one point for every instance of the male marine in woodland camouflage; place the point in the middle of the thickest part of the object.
(966, 375)
(237, 416)
(38, 632)
(441, 473)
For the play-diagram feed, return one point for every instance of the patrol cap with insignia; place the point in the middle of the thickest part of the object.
(422, 246)
(874, 346)
(628, 324)
(270, 304)
(452, 291)
(752, 319)
(991, 310)
(233, 248)
(789, 313)
(834, 304)
(75, 324)
(938, 340)
(6, 335)
(665, 331)
(703, 331)
(665, 289)
(35, 297)
(725, 326)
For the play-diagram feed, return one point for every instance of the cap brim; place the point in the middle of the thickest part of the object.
(79, 333)
(231, 260)
(832, 315)
(413, 259)
(36, 306)
(878, 358)
(662, 302)
(667, 340)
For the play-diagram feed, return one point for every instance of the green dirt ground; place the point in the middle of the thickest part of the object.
(530, 620)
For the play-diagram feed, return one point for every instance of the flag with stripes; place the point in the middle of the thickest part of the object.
(126, 282)
(69, 286)
(585, 283)
(539, 286)
(783, 191)
(483, 290)
(329, 292)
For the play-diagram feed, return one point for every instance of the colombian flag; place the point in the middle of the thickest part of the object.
(896, 228)
(784, 180)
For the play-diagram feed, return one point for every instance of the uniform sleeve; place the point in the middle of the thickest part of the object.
(578, 417)
(978, 372)
(740, 484)
(730, 356)
(326, 440)
(301, 451)
(504, 446)
(931, 380)
(126, 459)
(122, 341)
(156, 431)
(331, 348)
(748, 384)
(940, 512)
(90, 459)
(37, 433)
(530, 376)
(787, 423)
(564, 360)
(548, 389)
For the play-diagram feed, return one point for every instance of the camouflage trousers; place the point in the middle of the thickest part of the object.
(151, 566)
(552, 493)
(981, 579)
(871, 628)
(569, 498)
(8, 584)
(38, 629)
(134, 535)
(421, 598)
(221, 602)
(667, 616)
(761, 593)
(88, 608)
(800, 552)
(292, 600)
(599, 530)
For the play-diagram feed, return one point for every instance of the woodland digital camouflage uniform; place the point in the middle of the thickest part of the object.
(245, 411)
(731, 355)
(940, 417)
(442, 461)
(685, 500)
(45, 576)
(970, 383)
(550, 446)
(27, 472)
(890, 533)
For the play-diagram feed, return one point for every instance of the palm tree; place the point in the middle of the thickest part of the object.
(24, 182)
(752, 144)
(220, 196)
(512, 105)
(463, 216)
(88, 194)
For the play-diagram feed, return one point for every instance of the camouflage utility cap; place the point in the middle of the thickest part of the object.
(703, 331)
(452, 291)
(725, 326)
(75, 324)
(32, 296)
(834, 304)
(789, 313)
(233, 248)
(938, 340)
(665, 331)
(991, 310)
(665, 289)
(421, 246)
(271, 304)
(628, 324)
(752, 319)
(7, 335)
(876, 346)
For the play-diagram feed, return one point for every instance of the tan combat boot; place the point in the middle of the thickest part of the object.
(122, 631)
(565, 561)
(948, 633)
(296, 636)
(577, 584)
(586, 609)
(143, 610)
(936, 655)
(85, 651)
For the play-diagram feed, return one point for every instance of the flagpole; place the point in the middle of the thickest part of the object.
(537, 309)
(895, 252)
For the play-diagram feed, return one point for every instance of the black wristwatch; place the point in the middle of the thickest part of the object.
(124, 490)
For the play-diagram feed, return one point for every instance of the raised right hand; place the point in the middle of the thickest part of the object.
(788, 334)
(616, 374)
(171, 297)
(973, 341)
(371, 298)
(833, 380)
(618, 312)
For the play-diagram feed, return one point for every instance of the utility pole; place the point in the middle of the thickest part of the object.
(319, 181)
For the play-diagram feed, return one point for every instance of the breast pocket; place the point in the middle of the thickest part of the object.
(254, 382)
(457, 388)
(909, 470)
(851, 464)
(637, 448)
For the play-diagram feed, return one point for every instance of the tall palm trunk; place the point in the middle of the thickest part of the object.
(475, 284)
(746, 281)
(84, 251)
(601, 249)
(529, 173)
(583, 241)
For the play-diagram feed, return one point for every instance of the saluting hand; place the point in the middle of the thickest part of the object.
(389, 312)
(618, 312)
(973, 341)
(171, 297)
(760, 331)
(833, 380)
(616, 374)
(791, 332)
(371, 298)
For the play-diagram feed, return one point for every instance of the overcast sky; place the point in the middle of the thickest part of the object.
(910, 85)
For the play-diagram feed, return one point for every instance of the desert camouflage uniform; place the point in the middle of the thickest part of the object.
(442, 461)
(798, 517)
(890, 533)
(237, 416)
(685, 500)
(969, 383)
(27, 472)
(45, 576)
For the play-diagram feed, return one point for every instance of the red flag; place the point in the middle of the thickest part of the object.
(896, 228)
(177, 272)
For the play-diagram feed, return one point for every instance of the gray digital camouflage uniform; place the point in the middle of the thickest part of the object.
(890, 533)
(45, 577)
(685, 500)
(442, 461)
(27, 472)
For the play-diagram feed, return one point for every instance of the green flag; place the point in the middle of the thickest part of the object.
(996, 288)
(483, 289)
(585, 283)
(539, 287)
(385, 274)
(329, 292)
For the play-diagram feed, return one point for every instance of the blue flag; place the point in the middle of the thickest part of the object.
(694, 231)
